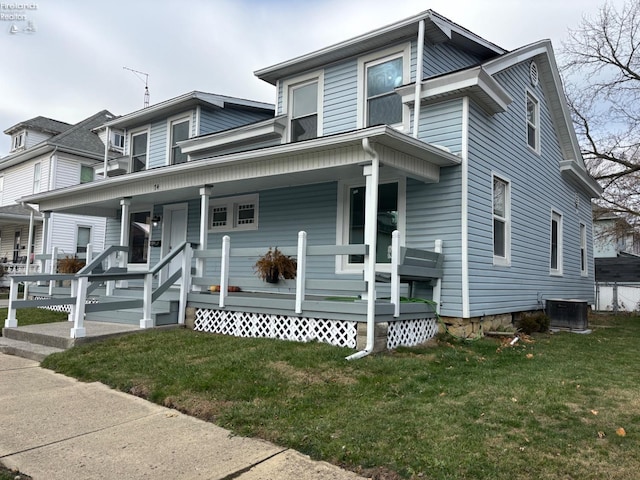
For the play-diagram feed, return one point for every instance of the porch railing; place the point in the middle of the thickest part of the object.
(93, 275)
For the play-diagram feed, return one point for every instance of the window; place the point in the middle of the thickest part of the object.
(179, 132)
(501, 222)
(234, 213)
(17, 244)
(556, 244)
(36, 178)
(304, 112)
(86, 173)
(139, 228)
(18, 141)
(387, 219)
(533, 123)
(83, 239)
(583, 249)
(117, 141)
(384, 105)
(139, 151)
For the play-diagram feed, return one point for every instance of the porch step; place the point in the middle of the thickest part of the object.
(32, 351)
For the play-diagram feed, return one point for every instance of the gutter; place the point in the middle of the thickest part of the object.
(371, 209)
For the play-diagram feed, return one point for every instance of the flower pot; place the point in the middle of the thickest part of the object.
(273, 276)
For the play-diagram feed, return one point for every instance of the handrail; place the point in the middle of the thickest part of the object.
(165, 261)
(100, 258)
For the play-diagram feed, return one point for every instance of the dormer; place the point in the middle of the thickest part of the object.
(25, 135)
(18, 140)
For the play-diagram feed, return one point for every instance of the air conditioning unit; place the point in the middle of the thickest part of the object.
(568, 314)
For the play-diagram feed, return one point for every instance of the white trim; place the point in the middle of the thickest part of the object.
(584, 257)
(506, 260)
(289, 85)
(134, 133)
(78, 227)
(538, 124)
(343, 218)
(176, 119)
(231, 204)
(403, 51)
(557, 216)
(132, 211)
(464, 217)
(37, 177)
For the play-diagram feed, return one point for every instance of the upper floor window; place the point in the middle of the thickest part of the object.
(36, 177)
(139, 151)
(86, 173)
(234, 213)
(379, 74)
(116, 142)
(501, 221)
(556, 244)
(304, 112)
(179, 131)
(18, 141)
(533, 123)
(384, 105)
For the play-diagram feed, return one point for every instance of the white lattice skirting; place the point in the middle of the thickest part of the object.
(408, 333)
(61, 308)
(284, 327)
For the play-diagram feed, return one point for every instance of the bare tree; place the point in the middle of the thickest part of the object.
(601, 68)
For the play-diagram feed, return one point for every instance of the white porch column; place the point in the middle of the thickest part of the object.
(205, 193)
(29, 261)
(125, 203)
(46, 247)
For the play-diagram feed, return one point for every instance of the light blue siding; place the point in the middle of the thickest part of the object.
(340, 97)
(441, 124)
(445, 57)
(158, 144)
(498, 144)
(217, 120)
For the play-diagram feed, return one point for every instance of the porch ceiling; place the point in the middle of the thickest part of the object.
(319, 160)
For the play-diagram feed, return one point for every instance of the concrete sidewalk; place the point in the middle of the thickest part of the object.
(54, 427)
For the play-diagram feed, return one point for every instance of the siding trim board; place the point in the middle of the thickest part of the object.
(466, 310)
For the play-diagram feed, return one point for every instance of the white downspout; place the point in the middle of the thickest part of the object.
(419, 66)
(106, 153)
(372, 172)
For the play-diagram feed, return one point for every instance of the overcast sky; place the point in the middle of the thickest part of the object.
(71, 66)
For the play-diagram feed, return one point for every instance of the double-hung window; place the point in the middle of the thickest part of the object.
(179, 130)
(533, 123)
(139, 151)
(86, 173)
(234, 213)
(304, 111)
(501, 221)
(584, 269)
(555, 263)
(36, 177)
(384, 105)
(83, 239)
(18, 141)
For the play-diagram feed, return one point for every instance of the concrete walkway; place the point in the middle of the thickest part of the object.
(54, 427)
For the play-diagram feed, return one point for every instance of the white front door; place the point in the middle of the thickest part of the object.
(174, 232)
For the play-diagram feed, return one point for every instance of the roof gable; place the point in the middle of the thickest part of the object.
(41, 124)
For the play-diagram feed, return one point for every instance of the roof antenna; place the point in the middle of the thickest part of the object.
(146, 83)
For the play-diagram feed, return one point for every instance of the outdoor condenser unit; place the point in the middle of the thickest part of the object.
(567, 314)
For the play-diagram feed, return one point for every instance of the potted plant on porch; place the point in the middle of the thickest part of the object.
(274, 265)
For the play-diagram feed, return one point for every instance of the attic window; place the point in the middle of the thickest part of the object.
(18, 141)
(533, 73)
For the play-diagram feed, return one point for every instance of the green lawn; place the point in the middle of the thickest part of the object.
(33, 316)
(545, 409)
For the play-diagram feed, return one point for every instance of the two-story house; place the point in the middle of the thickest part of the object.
(421, 128)
(47, 155)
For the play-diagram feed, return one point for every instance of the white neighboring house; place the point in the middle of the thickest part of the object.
(47, 155)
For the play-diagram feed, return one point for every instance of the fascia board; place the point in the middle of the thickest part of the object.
(581, 176)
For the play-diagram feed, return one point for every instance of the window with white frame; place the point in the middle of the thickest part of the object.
(390, 217)
(234, 213)
(36, 177)
(86, 173)
(379, 74)
(117, 141)
(584, 269)
(139, 147)
(303, 109)
(139, 230)
(533, 123)
(18, 141)
(179, 130)
(83, 238)
(501, 221)
(555, 263)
